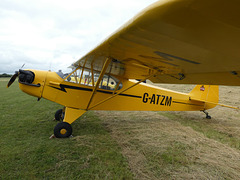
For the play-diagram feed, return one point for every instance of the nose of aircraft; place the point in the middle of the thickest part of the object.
(24, 76)
(30, 81)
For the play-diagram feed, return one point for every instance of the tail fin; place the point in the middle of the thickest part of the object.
(205, 93)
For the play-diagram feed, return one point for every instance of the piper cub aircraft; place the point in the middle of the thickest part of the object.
(171, 41)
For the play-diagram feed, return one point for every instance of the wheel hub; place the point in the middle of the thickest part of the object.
(63, 131)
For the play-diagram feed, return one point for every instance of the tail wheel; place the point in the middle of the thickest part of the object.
(59, 115)
(63, 130)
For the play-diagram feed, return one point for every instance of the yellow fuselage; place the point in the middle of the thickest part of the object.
(142, 97)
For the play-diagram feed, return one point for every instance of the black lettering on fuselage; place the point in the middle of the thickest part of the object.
(162, 100)
(157, 99)
(145, 97)
(168, 101)
(152, 99)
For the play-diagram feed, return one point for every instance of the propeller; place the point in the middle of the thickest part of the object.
(13, 78)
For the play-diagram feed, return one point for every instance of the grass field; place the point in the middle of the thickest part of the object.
(118, 145)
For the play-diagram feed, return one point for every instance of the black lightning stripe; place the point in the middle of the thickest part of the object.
(63, 88)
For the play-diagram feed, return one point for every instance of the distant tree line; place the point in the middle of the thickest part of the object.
(5, 75)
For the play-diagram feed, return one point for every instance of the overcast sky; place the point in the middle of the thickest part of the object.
(52, 34)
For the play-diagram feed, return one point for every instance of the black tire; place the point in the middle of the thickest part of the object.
(208, 117)
(59, 115)
(63, 130)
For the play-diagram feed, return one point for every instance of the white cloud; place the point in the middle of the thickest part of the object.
(55, 33)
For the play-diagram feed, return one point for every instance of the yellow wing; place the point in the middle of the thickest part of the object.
(182, 41)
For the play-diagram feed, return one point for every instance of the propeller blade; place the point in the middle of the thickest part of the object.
(12, 79)
(22, 66)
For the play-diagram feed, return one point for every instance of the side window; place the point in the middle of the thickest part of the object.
(88, 79)
(109, 83)
(80, 77)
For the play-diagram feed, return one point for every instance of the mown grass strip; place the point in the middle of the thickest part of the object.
(26, 152)
(204, 127)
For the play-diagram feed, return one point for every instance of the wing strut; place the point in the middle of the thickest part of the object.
(116, 94)
(105, 66)
(82, 69)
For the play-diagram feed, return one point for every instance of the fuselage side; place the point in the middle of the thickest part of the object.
(142, 97)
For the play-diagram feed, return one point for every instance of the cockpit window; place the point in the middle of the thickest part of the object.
(109, 83)
(88, 78)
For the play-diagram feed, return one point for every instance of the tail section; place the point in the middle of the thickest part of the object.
(205, 93)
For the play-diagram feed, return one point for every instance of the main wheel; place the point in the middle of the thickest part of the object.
(63, 130)
(59, 115)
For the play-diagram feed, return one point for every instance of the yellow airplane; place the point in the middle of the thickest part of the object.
(171, 41)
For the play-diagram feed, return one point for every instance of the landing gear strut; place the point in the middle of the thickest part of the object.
(207, 116)
(69, 115)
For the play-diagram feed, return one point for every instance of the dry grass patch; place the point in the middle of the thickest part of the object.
(180, 145)
(157, 148)
(225, 121)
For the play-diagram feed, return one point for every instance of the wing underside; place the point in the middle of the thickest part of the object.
(180, 41)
